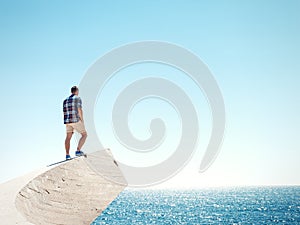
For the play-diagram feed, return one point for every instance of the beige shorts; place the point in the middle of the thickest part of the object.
(79, 127)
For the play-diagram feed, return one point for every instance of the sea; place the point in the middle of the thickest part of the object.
(234, 205)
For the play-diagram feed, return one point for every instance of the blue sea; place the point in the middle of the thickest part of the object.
(240, 205)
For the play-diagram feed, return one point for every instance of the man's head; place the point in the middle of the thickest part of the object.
(75, 90)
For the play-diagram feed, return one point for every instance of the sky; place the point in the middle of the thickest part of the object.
(251, 47)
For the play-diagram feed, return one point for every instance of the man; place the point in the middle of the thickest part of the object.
(73, 118)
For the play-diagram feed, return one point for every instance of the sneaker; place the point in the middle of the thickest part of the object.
(79, 153)
(68, 157)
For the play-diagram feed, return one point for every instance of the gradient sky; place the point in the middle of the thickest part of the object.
(252, 48)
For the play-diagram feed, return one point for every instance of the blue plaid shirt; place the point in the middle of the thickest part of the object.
(70, 108)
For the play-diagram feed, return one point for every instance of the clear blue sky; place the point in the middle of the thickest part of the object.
(252, 48)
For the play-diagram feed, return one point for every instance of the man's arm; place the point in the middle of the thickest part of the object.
(80, 113)
(79, 108)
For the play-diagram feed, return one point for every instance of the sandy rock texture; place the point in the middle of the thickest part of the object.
(71, 193)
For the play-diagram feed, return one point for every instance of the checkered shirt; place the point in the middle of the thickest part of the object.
(70, 108)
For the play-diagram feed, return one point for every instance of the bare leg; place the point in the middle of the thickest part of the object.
(67, 142)
(81, 141)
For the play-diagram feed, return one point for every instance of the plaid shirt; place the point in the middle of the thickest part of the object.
(70, 108)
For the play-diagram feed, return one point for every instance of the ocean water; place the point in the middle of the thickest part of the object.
(243, 205)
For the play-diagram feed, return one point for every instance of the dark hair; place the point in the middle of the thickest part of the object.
(74, 89)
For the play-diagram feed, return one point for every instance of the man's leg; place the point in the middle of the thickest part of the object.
(67, 142)
(81, 141)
